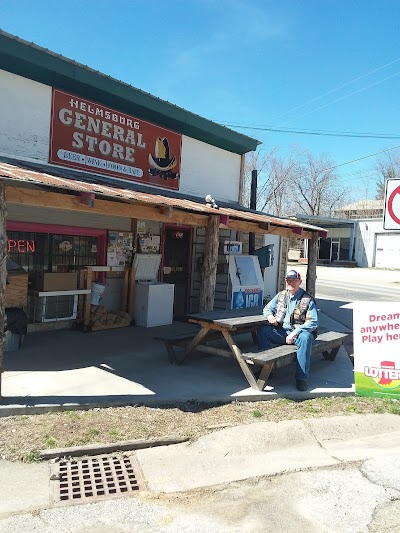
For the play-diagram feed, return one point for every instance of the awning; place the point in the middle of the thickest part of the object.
(22, 188)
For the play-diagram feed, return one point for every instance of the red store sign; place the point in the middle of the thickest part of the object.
(91, 137)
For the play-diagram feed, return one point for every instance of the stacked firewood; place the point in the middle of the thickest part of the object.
(100, 316)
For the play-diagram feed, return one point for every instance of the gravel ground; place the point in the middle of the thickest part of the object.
(22, 437)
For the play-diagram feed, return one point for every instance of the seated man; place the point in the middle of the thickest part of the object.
(293, 319)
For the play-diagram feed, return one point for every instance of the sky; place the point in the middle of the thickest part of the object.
(319, 65)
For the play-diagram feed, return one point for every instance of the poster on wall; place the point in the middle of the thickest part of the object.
(377, 349)
(246, 281)
(91, 137)
(119, 248)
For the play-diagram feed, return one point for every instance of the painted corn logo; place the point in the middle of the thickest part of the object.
(386, 376)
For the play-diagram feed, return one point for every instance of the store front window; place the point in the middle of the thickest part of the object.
(50, 248)
(35, 251)
(333, 249)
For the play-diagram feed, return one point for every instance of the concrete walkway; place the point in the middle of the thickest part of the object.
(269, 448)
(70, 369)
(339, 475)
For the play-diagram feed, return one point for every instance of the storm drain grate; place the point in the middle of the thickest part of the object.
(96, 477)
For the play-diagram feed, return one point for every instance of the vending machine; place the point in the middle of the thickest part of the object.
(246, 281)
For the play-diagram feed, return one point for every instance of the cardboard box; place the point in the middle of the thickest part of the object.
(55, 281)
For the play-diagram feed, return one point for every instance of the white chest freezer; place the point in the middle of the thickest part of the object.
(154, 301)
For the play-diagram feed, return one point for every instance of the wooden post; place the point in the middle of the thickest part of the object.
(124, 297)
(209, 271)
(81, 286)
(131, 291)
(3, 273)
(312, 264)
(88, 300)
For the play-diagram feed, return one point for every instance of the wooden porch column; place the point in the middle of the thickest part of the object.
(312, 264)
(3, 272)
(209, 270)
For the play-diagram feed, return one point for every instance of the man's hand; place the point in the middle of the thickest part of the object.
(291, 337)
(272, 320)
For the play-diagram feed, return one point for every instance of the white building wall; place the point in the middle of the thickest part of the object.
(206, 169)
(339, 232)
(365, 241)
(25, 108)
(25, 111)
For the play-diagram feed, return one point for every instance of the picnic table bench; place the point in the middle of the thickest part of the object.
(227, 324)
(327, 343)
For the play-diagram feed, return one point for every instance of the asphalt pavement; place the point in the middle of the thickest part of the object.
(318, 475)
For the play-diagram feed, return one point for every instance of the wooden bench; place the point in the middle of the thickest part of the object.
(181, 340)
(327, 343)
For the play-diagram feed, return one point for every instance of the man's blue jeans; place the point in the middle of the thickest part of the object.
(269, 335)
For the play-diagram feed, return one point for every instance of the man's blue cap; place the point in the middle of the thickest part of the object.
(293, 274)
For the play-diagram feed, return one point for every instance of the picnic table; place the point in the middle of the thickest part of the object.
(231, 322)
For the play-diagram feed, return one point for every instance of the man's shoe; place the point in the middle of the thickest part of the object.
(301, 384)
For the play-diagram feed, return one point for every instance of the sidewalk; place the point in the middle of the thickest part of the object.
(71, 369)
(297, 475)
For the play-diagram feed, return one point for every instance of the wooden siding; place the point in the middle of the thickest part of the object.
(20, 213)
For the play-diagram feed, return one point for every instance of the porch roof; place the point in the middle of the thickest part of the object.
(25, 186)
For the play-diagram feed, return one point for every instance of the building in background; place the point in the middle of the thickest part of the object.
(361, 209)
(362, 242)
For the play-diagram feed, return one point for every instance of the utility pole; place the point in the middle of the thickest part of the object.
(253, 205)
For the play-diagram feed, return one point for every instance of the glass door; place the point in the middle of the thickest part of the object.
(334, 250)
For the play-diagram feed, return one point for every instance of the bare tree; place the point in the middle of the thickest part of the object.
(301, 183)
(254, 160)
(316, 192)
(388, 167)
(274, 177)
(316, 189)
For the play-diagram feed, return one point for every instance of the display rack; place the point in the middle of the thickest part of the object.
(86, 309)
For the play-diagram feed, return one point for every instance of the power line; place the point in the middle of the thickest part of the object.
(338, 88)
(364, 157)
(346, 96)
(360, 159)
(328, 133)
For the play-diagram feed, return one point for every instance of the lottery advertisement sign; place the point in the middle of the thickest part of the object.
(377, 349)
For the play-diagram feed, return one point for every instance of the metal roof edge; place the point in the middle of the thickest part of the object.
(323, 219)
(48, 179)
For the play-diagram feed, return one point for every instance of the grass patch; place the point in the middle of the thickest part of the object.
(21, 437)
(32, 456)
(50, 442)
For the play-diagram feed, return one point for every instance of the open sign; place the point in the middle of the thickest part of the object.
(21, 246)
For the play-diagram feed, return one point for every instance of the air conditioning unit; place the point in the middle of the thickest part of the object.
(53, 308)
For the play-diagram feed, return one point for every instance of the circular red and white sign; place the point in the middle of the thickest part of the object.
(390, 205)
(392, 210)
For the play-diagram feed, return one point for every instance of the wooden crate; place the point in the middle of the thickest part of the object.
(16, 294)
(93, 319)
